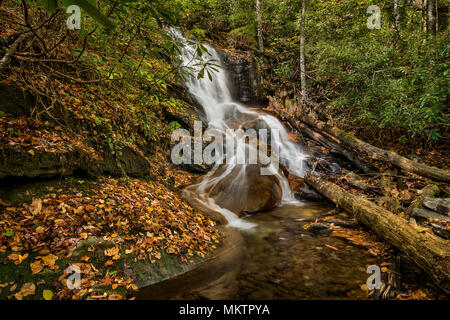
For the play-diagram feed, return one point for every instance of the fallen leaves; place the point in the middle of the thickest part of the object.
(36, 206)
(26, 290)
(49, 260)
(17, 258)
(143, 220)
(42, 262)
(36, 267)
(362, 239)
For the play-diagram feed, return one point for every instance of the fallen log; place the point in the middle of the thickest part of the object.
(429, 252)
(332, 146)
(358, 182)
(376, 153)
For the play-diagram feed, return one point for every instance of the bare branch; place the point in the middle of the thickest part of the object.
(12, 49)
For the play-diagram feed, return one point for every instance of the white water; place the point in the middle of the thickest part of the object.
(217, 102)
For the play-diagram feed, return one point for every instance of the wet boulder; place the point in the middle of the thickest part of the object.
(245, 190)
(305, 192)
(319, 228)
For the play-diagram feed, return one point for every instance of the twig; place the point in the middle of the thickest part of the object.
(25, 13)
(12, 49)
(393, 176)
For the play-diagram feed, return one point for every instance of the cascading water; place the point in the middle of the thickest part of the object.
(224, 114)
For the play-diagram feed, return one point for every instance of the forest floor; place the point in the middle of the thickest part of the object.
(126, 221)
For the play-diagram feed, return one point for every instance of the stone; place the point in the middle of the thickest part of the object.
(320, 228)
(245, 190)
(441, 205)
(305, 192)
(440, 231)
(241, 75)
(425, 214)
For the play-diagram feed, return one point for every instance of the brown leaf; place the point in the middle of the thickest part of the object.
(36, 206)
(36, 267)
(49, 260)
(26, 290)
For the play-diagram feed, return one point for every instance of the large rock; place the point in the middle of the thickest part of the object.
(305, 192)
(245, 190)
(441, 205)
(425, 214)
(16, 163)
(242, 76)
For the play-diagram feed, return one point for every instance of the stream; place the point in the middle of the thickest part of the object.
(267, 255)
(277, 259)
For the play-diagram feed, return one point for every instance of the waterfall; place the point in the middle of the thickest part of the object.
(223, 114)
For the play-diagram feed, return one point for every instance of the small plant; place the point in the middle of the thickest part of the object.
(174, 126)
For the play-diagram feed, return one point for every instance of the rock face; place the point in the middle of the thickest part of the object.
(441, 205)
(242, 77)
(305, 192)
(15, 163)
(246, 190)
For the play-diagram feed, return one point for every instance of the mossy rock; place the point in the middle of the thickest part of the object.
(15, 101)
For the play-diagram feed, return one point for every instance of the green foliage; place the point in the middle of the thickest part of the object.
(52, 5)
(8, 233)
(174, 126)
(392, 78)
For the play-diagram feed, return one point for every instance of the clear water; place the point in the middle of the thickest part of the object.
(277, 259)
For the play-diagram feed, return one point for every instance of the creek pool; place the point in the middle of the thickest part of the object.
(277, 259)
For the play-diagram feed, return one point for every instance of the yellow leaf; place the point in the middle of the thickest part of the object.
(21, 258)
(13, 256)
(36, 267)
(114, 286)
(31, 152)
(47, 294)
(49, 260)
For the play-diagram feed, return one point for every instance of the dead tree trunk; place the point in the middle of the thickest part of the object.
(4, 61)
(259, 25)
(376, 153)
(396, 14)
(431, 253)
(302, 53)
(431, 17)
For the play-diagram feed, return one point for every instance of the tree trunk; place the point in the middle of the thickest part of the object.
(431, 17)
(429, 252)
(302, 53)
(259, 22)
(376, 153)
(396, 14)
(437, 16)
(423, 19)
